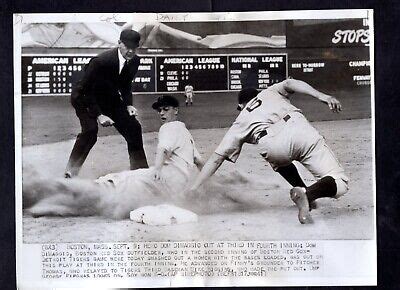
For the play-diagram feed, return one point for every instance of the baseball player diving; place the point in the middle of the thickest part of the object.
(115, 195)
(283, 135)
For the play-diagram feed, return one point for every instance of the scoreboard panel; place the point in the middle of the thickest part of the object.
(256, 70)
(56, 74)
(203, 72)
(144, 80)
(332, 74)
(51, 74)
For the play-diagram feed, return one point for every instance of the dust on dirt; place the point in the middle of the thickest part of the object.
(351, 217)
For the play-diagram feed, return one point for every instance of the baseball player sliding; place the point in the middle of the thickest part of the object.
(116, 194)
(283, 134)
(176, 154)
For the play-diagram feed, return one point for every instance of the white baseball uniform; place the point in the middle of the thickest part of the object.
(175, 138)
(115, 195)
(282, 133)
(189, 93)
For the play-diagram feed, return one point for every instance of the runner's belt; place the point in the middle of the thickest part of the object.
(265, 132)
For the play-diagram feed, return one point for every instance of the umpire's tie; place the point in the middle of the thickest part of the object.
(125, 67)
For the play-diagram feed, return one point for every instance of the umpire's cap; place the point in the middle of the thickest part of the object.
(165, 101)
(130, 38)
(246, 95)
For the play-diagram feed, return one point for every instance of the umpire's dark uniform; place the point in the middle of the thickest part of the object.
(104, 90)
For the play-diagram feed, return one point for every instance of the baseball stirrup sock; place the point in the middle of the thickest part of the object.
(325, 187)
(291, 175)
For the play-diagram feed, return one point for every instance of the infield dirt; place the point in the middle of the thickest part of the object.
(351, 217)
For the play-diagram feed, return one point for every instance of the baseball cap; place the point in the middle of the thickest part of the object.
(130, 38)
(165, 101)
(246, 94)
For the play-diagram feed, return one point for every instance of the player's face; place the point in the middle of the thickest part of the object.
(127, 53)
(168, 114)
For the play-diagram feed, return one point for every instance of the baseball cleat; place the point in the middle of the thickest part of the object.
(299, 197)
(313, 205)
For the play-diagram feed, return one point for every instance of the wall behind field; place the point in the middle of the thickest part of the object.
(331, 55)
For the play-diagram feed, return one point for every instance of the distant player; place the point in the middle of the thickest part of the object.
(189, 94)
(283, 135)
(117, 194)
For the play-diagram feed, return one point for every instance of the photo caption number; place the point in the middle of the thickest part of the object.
(254, 104)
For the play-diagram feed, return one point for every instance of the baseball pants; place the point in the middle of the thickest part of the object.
(297, 140)
(126, 125)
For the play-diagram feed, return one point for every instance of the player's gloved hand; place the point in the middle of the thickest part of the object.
(105, 121)
(334, 104)
(131, 110)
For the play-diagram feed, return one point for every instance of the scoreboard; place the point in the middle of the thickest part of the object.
(258, 71)
(204, 73)
(56, 74)
(51, 75)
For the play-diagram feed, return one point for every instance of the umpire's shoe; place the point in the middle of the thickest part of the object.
(299, 197)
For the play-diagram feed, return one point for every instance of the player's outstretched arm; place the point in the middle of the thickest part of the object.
(304, 88)
(212, 164)
(161, 156)
(198, 161)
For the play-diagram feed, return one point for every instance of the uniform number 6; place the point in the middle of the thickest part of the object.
(254, 104)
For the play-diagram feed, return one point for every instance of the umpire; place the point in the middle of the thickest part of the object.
(104, 95)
